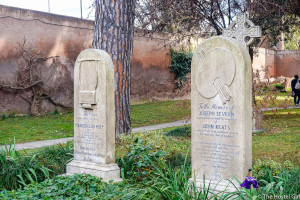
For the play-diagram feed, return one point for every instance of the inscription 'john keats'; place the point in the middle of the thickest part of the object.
(221, 112)
(94, 116)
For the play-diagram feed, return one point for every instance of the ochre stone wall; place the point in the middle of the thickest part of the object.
(279, 63)
(64, 38)
(287, 63)
(150, 74)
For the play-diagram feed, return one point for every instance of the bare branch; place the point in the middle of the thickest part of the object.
(20, 88)
(298, 61)
(53, 101)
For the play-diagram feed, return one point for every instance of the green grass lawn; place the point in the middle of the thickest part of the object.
(159, 112)
(280, 140)
(282, 99)
(26, 129)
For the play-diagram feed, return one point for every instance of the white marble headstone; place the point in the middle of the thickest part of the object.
(94, 116)
(221, 112)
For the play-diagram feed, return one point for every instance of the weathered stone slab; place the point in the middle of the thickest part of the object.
(94, 116)
(106, 171)
(221, 112)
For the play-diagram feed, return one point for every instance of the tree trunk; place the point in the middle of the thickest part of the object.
(113, 33)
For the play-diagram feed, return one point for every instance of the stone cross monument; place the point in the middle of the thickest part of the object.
(94, 116)
(221, 101)
(243, 30)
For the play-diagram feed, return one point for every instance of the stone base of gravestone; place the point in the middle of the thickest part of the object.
(106, 171)
(222, 186)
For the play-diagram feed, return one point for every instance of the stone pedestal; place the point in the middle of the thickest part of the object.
(217, 186)
(221, 101)
(106, 171)
(94, 116)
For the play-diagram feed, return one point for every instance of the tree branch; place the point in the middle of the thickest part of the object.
(20, 88)
(54, 102)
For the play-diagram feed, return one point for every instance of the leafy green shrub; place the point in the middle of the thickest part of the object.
(3, 117)
(170, 183)
(158, 141)
(278, 86)
(134, 165)
(294, 180)
(261, 168)
(177, 160)
(184, 131)
(18, 170)
(270, 172)
(55, 112)
(160, 178)
(286, 182)
(180, 63)
(12, 115)
(151, 142)
(74, 187)
(56, 157)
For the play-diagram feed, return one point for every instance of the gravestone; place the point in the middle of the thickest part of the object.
(94, 116)
(221, 99)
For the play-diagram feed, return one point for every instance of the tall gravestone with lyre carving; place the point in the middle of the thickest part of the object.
(222, 106)
(94, 116)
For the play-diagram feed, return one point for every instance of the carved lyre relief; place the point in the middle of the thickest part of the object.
(88, 83)
(215, 73)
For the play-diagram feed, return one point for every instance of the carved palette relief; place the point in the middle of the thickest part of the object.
(212, 78)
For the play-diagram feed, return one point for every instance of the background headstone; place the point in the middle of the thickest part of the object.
(221, 99)
(94, 116)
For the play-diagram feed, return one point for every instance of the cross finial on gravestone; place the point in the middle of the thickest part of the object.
(243, 30)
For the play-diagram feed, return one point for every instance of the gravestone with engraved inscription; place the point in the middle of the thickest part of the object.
(94, 116)
(221, 99)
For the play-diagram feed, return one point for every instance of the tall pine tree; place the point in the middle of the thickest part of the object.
(113, 33)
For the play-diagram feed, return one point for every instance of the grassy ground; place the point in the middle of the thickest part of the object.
(159, 112)
(54, 126)
(26, 129)
(282, 99)
(280, 140)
